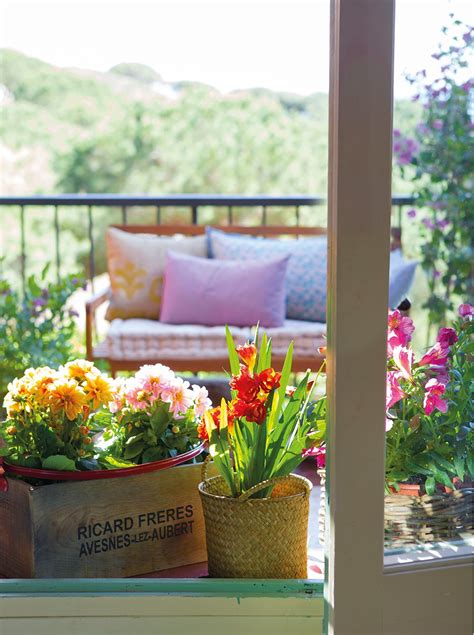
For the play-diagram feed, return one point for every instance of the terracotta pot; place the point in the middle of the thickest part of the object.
(407, 489)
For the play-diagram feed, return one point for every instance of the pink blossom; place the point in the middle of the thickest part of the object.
(434, 391)
(437, 124)
(436, 274)
(319, 453)
(437, 355)
(136, 396)
(403, 358)
(428, 223)
(154, 378)
(201, 400)
(443, 223)
(466, 310)
(179, 396)
(394, 391)
(447, 336)
(411, 213)
(400, 330)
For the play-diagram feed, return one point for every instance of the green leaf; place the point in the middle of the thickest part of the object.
(430, 486)
(233, 357)
(112, 462)
(133, 450)
(58, 462)
(160, 419)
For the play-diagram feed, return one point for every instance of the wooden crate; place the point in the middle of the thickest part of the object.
(104, 528)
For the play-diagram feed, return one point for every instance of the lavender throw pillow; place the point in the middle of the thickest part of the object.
(215, 292)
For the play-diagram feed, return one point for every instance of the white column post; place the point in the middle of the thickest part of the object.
(359, 241)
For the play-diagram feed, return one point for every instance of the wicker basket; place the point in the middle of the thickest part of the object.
(411, 520)
(257, 537)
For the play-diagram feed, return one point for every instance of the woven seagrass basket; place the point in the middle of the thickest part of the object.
(257, 537)
(411, 520)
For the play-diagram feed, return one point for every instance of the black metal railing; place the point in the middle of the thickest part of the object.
(194, 203)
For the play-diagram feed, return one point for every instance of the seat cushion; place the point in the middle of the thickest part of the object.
(139, 339)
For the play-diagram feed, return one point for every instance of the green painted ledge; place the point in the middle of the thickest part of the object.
(145, 586)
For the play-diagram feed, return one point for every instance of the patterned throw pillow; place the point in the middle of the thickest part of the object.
(305, 274)
(136, 264)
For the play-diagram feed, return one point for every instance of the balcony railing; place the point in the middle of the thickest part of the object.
(186, 208)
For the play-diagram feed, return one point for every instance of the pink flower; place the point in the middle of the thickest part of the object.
(466, 310)
(447, 337)
(403, 358)
(434, 391)
(437, 124)
(154, 378)
(136, 396)
(201, 400)
(319, 454)
(400, 330)
(437, 355)
(394, 391)
(179, 396)
(411, 213)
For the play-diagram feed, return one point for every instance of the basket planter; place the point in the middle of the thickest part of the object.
(413, 519)
(127, 524)
(257, 537)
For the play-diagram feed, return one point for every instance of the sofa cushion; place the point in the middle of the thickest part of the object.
(136, 264)
(306, 272)
(138, 339)
(213, 293)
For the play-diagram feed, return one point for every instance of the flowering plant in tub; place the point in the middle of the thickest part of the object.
(153, 416)
(268, 426)
(430, 405)
(50, 416)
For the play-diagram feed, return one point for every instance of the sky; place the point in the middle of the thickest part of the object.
(278, 45)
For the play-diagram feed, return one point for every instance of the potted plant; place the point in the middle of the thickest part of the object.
(256, 510)
(77, 424)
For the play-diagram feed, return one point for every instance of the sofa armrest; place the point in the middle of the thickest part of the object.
(92, 305)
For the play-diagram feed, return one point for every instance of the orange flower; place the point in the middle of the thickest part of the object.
(268, 379)
(99, 389)
(79, 368)
(68, 396)
(248, 355)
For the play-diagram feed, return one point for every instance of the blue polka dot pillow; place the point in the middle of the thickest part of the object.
(305, 275)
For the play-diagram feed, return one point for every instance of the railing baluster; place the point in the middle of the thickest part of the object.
(400, 209)
(22, 249)
(56, 244)
(264, 214)
(229, 215)
(124, 215)
(91, 247)
(194, 215)
(158, 215)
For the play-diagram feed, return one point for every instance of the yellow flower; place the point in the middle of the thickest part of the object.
(68, 396)
(79, 368)
(41, 384)
(99, 389)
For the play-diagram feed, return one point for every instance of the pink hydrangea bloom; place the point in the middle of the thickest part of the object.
(201, 400)
(433, 397)
(403, 358)
(466, 310)
(394, 390)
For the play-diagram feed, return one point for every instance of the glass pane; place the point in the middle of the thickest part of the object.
(430, 417)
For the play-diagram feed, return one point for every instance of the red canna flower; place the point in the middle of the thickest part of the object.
(202, 431)
(248, 355)
(245, 384)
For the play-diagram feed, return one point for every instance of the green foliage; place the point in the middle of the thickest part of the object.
(36, 329)
(442, 170)
(248, 451)
(140, 72)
